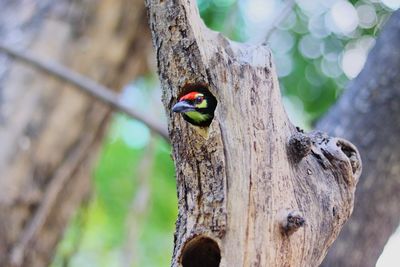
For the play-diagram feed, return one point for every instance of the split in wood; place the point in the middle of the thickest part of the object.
(299, 146)
(291, 222)
(337, 153)
(352, 153)
(201, 251)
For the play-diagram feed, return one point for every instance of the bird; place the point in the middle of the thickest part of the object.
(197, 107)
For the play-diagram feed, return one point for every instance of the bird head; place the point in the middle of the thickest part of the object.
(197, 108)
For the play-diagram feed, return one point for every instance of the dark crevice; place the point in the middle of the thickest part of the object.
(347, 150)
(319, 159)
(351, 153)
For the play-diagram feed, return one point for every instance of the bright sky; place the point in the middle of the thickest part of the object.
(391, 254)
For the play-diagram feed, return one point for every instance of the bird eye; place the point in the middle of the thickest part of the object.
(199, 99)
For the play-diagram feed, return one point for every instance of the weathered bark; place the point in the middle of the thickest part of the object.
(250, 180)
(368, 115)
(49, 132)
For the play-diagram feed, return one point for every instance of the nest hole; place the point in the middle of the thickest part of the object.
(203, 89)
(201, 252)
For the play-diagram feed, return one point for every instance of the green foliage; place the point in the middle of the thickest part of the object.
(223, 16)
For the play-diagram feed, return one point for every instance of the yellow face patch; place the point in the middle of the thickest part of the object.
(203, 104)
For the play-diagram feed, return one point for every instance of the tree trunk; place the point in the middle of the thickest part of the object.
(50, 133)
(368, 114)
(251, 179)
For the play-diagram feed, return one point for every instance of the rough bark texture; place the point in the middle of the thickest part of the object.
(49, 132)
(250, 180)
(368, 114)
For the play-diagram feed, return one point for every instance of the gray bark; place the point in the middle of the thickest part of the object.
(252, 189)
(368, 114)
(49, 132)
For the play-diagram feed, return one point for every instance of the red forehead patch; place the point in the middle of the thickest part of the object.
(189, 96)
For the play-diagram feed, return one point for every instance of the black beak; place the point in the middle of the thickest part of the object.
(182, 107)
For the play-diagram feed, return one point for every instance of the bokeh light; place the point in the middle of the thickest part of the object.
(367, 16)
(392, 4)
(310, 47)
(342, 18)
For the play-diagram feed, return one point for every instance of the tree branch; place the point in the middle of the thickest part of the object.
(90, 87)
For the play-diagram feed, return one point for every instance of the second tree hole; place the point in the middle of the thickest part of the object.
(201, 252)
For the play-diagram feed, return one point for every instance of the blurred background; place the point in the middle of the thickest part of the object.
(129, 218)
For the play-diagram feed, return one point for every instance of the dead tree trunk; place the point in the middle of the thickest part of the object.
(49, 132)
(248, 181)
(368, 114)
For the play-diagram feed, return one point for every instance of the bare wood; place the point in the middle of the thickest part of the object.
(246, 197)
(98, 91)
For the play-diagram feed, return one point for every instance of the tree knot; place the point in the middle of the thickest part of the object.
(290, 221)
(299, 146)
